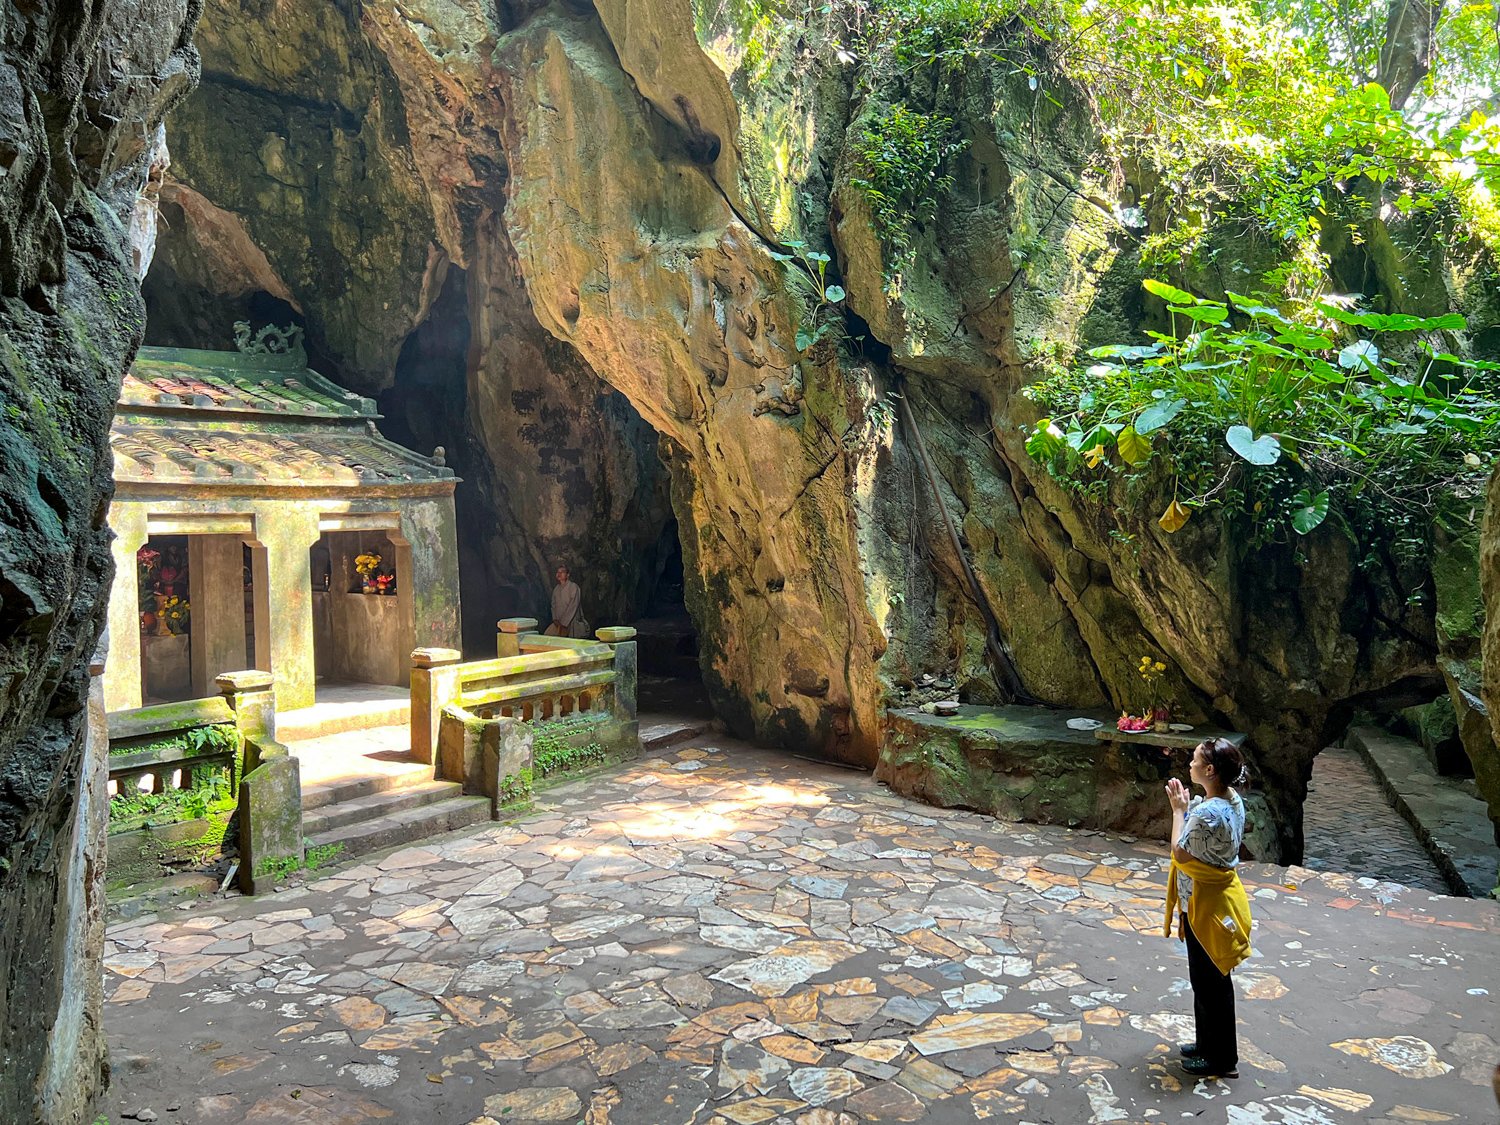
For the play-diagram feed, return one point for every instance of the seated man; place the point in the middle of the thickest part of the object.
(567, 602)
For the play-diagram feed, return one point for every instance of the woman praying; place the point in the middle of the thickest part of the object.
(1214, 918)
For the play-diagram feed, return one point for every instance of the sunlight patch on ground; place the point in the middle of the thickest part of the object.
(712, 819)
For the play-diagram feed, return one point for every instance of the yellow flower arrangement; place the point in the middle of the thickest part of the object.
(1151, 671)
(176, 611)
(367, 564)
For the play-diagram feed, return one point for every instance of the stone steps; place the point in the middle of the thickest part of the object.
(345, 789)
(1450, 820)
(660, 732)
(396, 802)
(391, 824)
(393, 799)
(338, 717)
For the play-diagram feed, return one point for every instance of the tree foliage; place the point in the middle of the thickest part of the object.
(1292, 126)
(1281, 417)
(1281, 116)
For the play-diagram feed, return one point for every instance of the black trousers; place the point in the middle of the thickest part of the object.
(1213, 1005)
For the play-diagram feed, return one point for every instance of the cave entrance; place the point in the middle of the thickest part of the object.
(362, 609)
(671, 677)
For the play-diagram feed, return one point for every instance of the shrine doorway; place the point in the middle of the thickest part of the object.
(362, 607)
(197, 613)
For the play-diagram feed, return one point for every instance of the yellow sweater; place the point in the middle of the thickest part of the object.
(1218, 911)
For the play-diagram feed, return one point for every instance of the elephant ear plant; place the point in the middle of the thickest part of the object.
(1281, 418)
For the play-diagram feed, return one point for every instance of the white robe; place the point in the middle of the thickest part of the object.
(567, 600)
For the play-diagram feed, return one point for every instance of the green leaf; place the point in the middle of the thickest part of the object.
(1207, 314)
(1045, 441)
(1134, 448)
(1395, 322)
(1169, 293)
(835, 293)
(1263, 450)
(1253, 308)
(1126, 352)
(1308, 511)
(1157, 415)
(1359, 356)
(804, 341)
(1313, 342)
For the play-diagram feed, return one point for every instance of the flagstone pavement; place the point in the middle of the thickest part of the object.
(728, 935)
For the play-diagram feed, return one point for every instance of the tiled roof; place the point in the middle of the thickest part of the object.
(158, 454)
(181, 380)
(220, 418)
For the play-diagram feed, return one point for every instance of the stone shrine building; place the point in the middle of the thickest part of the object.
(261, 521)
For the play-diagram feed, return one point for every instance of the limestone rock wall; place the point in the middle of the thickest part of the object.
(1487, 768)
(623, 187)
(634, 253)
(83, 89)
(341, 165)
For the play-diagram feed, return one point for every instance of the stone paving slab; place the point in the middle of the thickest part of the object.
(726, 936)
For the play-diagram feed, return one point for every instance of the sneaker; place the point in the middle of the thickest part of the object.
(1189, 1050)
(1201, 1068)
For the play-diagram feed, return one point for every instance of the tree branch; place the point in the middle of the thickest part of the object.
(1410, 47)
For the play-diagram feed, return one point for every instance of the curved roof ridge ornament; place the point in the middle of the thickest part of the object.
(270, 340)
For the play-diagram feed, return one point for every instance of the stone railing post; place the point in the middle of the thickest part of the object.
(270, 804)
(509, 631)
(252, 697)
(434, 685)
(622, 639)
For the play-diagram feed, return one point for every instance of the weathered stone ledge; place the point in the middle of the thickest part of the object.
(1026, 764)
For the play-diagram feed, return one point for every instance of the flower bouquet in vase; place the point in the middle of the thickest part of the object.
(1157, 710)
(368, 565)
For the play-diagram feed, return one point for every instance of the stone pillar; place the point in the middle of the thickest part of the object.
(122, 671)
(622, 637)
(430, 580)
(216, 591)
(434, 685)
(288, 534)
(260, 586)
(509, 631)
(270, 788)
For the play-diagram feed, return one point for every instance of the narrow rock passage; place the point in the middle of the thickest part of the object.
(729, 935)
(1348, 825)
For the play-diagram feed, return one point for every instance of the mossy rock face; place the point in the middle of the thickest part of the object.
(83, 88)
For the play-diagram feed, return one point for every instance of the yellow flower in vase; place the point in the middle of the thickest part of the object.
(1151, 672)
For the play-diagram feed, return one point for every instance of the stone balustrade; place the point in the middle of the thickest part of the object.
(474, 721)
(171, 745)
(169, 765)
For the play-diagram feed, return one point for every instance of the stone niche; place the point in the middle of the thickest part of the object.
(361, 636)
